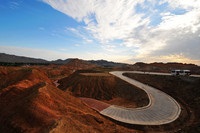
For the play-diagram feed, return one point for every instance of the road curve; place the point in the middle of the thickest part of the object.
(162, 108)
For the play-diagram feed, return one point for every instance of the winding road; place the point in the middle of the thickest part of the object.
(162, 108)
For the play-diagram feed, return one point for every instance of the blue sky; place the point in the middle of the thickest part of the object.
(117, 30)
(34, 24)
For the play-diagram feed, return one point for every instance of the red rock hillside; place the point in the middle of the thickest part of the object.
(30, 103)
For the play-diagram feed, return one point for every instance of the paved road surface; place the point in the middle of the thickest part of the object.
(162, 108)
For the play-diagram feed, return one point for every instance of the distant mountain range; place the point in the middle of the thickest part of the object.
(106, 63)
(7, 58)
(19, 59)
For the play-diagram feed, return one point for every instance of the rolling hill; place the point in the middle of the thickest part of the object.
(30, 103)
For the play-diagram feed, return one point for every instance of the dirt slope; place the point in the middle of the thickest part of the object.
(59, 71)
(103, 87)
(30, 103)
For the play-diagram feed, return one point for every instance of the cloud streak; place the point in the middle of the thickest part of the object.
(14, 4)
(157, 29)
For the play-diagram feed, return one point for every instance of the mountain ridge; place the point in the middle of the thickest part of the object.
(8, 59)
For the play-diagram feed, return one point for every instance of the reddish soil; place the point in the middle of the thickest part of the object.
(186, 91)
(59, 71)
(24, 74)
(30, 103)
(122, 102)
(95, 104)
(6, 70)
(109, 89)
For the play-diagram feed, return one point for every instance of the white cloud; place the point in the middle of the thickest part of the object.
(109, 48)
(80, 33)
(107, 56)
(14, 4)
(106, 20)
(181, 58)
(77, 45)
(109, 20)
(41, 28)
(190, 20)
(185, 4)
(63, 49)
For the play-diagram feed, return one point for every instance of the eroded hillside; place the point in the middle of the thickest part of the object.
(104, 86)
(30, 102)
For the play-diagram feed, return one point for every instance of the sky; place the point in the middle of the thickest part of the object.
(126, 31)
